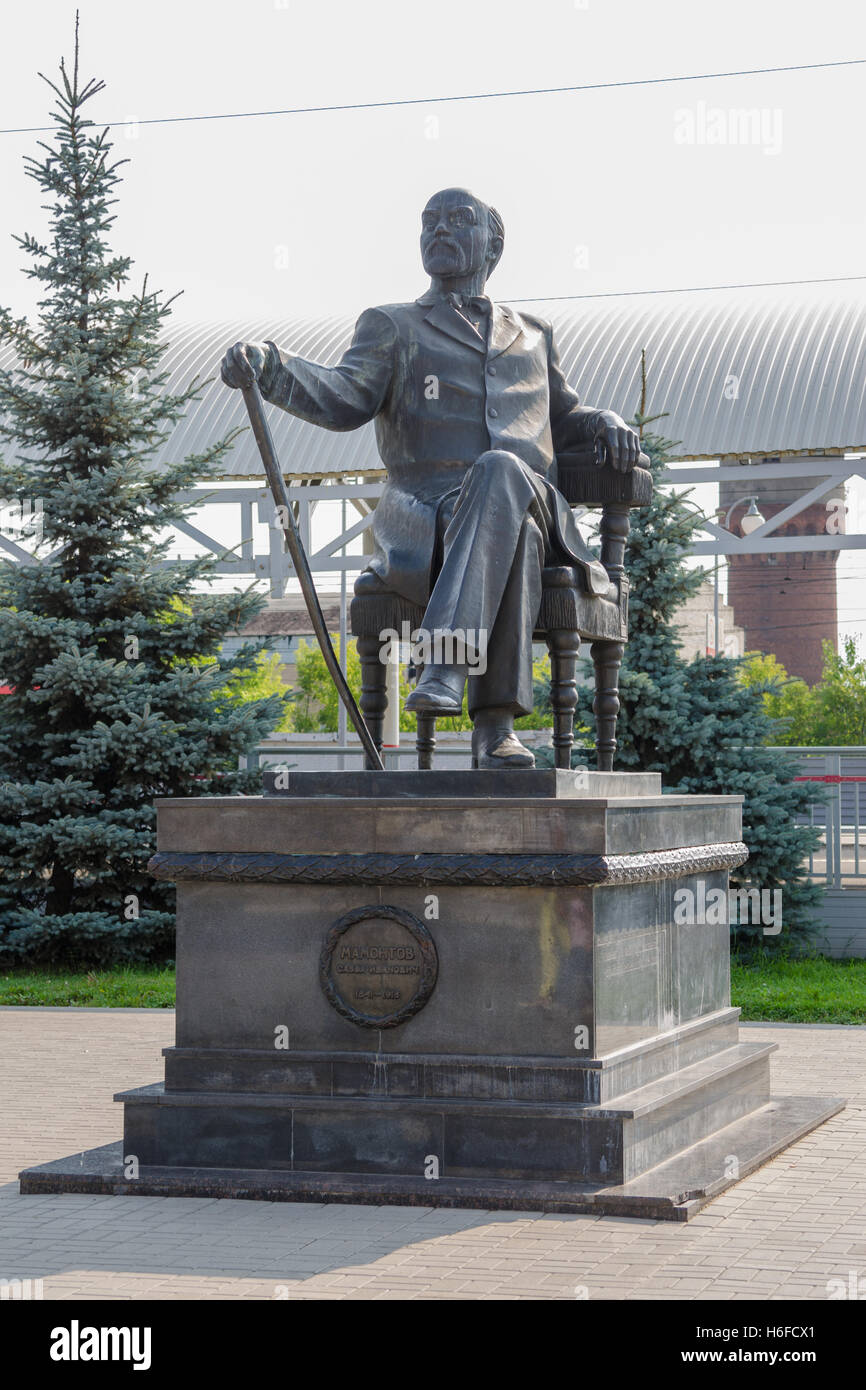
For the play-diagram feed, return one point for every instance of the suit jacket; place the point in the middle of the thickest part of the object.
(440, 396)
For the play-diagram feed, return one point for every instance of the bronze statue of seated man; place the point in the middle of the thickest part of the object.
(470, 409)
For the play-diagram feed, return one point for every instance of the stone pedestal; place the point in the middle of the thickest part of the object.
(463, 988)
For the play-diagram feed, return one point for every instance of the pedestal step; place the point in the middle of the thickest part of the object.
(679, 1111)
(550, 783)
(397, 1076)
(462, 1138)
(673, 1191)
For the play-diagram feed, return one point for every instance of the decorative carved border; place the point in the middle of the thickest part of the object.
(429, 965)
(458, 870)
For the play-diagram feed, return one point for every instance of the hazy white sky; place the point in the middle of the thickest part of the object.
(601, 191)
(319, 213)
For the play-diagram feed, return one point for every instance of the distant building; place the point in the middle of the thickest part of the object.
(286, 624)
(786, 603)
(696, 624)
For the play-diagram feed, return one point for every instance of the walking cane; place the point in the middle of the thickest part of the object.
(264, 439)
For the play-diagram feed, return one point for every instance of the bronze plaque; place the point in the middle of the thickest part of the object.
(378, 966)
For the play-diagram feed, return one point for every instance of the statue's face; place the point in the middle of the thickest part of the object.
(454, 234)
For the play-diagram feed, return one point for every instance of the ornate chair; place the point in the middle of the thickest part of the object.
(568, 616)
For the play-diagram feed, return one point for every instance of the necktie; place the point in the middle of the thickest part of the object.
(475, 303)
(473, 309)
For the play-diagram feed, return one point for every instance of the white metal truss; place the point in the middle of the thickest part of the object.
(830, 471)
(255, 502)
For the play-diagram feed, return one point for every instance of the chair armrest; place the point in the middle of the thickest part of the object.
(585, 483)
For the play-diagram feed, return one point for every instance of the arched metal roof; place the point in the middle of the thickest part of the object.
(737, 373)
(752, 372)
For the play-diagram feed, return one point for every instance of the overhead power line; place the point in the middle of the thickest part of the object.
(691, 289)
(467, 96)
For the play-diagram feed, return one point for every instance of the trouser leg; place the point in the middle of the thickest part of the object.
(507, 682)
(489, 586)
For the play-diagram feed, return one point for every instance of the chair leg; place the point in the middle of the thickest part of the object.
(374, 691)
(426, 740)
(425, 737)
(564, 647)
(606, 658)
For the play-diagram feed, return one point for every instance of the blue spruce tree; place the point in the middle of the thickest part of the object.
(119, 693)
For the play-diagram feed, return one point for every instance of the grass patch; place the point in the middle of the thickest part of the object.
(129, 987)
(800, 990)
(773, 989)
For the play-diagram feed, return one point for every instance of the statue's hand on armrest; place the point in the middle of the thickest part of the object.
(616, 442)
(243, 364)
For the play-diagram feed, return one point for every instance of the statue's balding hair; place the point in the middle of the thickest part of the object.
(495, 227)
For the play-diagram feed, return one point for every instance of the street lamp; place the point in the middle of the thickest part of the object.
(752, 519)
(748, 523)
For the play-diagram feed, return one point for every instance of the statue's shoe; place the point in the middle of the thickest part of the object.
(499, 748)
(434, 696)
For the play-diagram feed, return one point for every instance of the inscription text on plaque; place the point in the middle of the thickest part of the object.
(378, 966)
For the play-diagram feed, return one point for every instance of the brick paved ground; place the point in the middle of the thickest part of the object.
(781, 1233)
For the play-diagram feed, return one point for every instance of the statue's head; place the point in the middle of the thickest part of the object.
(460, 235)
